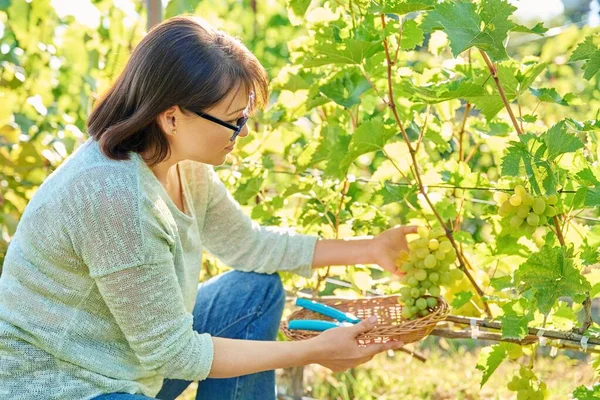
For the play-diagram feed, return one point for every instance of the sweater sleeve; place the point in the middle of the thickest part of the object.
(127, 246)
(243, 244)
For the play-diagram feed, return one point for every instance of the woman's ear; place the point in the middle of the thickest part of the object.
(167, 120)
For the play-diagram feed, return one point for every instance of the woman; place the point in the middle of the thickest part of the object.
(100, 295)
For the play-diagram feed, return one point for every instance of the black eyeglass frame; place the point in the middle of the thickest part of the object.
(236, 128)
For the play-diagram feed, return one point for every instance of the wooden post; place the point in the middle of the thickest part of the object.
(154, 12)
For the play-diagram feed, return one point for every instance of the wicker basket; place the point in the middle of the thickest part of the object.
(390, 324)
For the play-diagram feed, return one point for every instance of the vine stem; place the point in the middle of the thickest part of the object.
(323, 277)
(494, 73)
(391, 103)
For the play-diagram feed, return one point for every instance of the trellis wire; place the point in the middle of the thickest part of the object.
(436, 186)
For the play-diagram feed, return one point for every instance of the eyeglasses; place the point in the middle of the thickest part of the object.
(236, 128)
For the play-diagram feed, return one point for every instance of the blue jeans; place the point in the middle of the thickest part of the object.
(235, 305)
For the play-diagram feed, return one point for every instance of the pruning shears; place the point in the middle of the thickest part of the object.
(343, 318)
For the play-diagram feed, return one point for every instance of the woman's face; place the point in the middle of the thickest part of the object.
(202, 140)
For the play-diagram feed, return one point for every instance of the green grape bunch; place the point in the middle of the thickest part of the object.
(523, 211)
(527, 386)
(427, 267)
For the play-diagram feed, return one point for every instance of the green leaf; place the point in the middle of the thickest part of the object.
(559, 141)
(401, 7)
(589, 51)
(489, 360)
(461, 298)
(550, 274)
(176, 7)
(248, 190)
(296, 10)
(351, 51)
(515, 319)
(346, 88)
(392, 193)
(333, 147)
(412, 35)
(550, 95)
(586, 48)
(584, 393)
(538, 29)
(444, 91)
(485, 28)
(369, 136)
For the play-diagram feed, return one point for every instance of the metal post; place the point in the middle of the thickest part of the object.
(154, 12)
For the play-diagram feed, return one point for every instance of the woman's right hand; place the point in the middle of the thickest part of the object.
(338, 349)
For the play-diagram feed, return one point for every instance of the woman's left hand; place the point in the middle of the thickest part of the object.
(388, 246)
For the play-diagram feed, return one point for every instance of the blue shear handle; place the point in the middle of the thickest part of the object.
(326, 310)
(314, 325)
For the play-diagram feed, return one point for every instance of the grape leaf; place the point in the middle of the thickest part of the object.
(351, 51)
(346, 88)
(248, 190)
(333, 147)
(517, 315)
(538, 29)
(550, 274)
(391, 193)
(461, 298)
(588, 51)
(559, 141)
(584, 393)
(550, 95)
(490, 358)
(412, 35)
(296, 10)
(466, 26)
(369, 136)
(401, 6)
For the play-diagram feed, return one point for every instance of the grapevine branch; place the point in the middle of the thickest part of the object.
(568, 340)
(587, 321)
(494, 73)
(391, 103)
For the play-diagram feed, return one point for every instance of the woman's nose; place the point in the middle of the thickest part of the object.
(245, 131)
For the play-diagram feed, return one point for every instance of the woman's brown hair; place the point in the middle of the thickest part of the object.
(182, 61)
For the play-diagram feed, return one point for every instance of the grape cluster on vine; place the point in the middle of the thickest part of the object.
(523, 211)
(427, 266)
(527, 386)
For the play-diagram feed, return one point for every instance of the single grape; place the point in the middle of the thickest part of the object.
(422, 291)
(432, 302)
(539, 205)
(552, 199)
(421, 303)
(406, 313)
(450, 257)
(426, 284)
(515, 200)
(520, 191)
(422, 253)
(409, 301)
(506, 209)
(421, 275)
(500, 197)
(516, 221)
(528, 199)
(533, 219)
(433, 244)
(423, 231)
(523, 211)
(414, 309)
(446, 246)
(407, 267)
(430, 261)
(412, 281)
(434, 277)
(424, 313)
(456, 274)
(550, 211)
(434, 291)
(415, 292)
(440, 254)
(445, 278)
